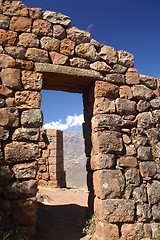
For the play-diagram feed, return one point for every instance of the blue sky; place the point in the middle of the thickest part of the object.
(130, 25)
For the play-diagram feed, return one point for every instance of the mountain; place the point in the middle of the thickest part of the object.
(74, 159)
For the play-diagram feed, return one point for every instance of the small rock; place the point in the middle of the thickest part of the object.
(27, 99)
(88, 51)
(125, 58)
(32, 118)
(143, 212)
(35, 13)
(37, 55)
(127, 161)
(155, 103)
(125, 92)
(105, 89)
(108, 54)
(153, 191)
(140, 194)
(50, 44)
(125, 106)
(6, 61)
(16, 52)
(79, 62)
(7, 38)
(25, 134)
(142, 106)
(145, 153)
(32, 80)
(147, 169)
(145, 120)
(11, 78)
(25, 170)
(58, 58)
(132, 177)
(59, 32)
(117, 68)
(78, 36)
(149, 82)
(142, 92)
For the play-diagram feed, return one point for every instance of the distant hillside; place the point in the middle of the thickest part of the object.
(74, 159)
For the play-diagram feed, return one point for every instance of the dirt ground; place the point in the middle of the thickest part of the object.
(61, 214)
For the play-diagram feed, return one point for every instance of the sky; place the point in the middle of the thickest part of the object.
(133, 26)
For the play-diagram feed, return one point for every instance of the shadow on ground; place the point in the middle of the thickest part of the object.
(60, 222)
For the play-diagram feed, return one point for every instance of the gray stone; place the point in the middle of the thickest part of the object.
(2, 102)
(142, 92)
(153, 191)
(155, 103)
(142, 106)
(156, 114)
(102, 161)
(78, 36)
(25, 170)
(127, 162)
(104, 120)
(79, 62)
(140, 194)
(132, 177)
(149, 82)
(104, 105)
(59, 32)
(88, 51)
(117, 68)
(116, 78)
(101, 67)
(152, 134)
(50, 44)
(32, 118)
(144, 153)
(147, 169)
(125, 58)
(16, 52)
(145, 120)
(25, 134)
(143, 212)
(132, 231)
(57, 18)
(156, 150)
(125, 106)
(4, 24)
(156, 212)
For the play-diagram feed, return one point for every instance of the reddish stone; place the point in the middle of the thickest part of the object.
(101, 66)
(10, 102)
(16, 52)
(108, 54)
(103, 105)
(20, 24)
(35, 13)
(125, 58)
(28, 40)
(132, 76)
(4, 133)
(28, 99)
(105, 89)
(59, 32)
(22, 64)
(149, 82)
(78, 36)
(37, 55)
(67, 47)
(79, 62)
(11, 78)
(9, 117)
(5, 92)
(32, 80)
(88, 51)
(125, 92)
(50, 44)
(17, 8)
(6, 61)
(7, 38)
(5, 175)
(127, 161)
(25, 170)
(42, 28)
(132, 231)
(25, 134)
(147, 169)
(106, 231)
(58, 58)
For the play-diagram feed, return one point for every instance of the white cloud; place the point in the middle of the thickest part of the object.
(71, 121)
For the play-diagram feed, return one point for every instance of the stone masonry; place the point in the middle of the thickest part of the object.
(40, 50)
(51, 162)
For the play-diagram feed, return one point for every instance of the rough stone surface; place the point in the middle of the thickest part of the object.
(88, 51)
(50, 44)
(143, 212)
(59, 32)
(116, 78)
(4, 133)
(101, 121)
(106, 231)
(101, 66)
(142, 106)
(105, 89)
(25, 170)
(79, 62)
(117, 68)
(108, 54)
(58, 58)
(27, 99)
(32, 80)
(132, 231)
(145, 120)
(153, 191)
(5, 92)
(132, 76)
(125, 106)
(125, 58)
(140, 194)
(67, 47)
(35, 13)
(155, 103)
(103, 105)
(142, 92)
(132, 177)
(16, 52)
(57, 18)
(6, 61)
(78, 36)
(7, 38)
(149, 82)
(102, 161)
(125, 92)
(108, 183)
(144, 153)
(5, 175)
(15, 8)
(127, 161)
(156, 212)
(32, 118)
(28, 40)
(147, 169)
(16, 152)
(37, 55)
(11, 78)
(9, 117)
(25, 134)
(20, 24)
(42, 28)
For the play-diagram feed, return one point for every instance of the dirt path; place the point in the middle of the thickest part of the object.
(61, 214)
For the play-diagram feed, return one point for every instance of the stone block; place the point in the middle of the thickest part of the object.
(32, 80)
(132, 231)
(50, 44)
(42, 28)
(15, 190)
(140, 194)
(32, 118)
(130, 150)
(107, 142)
(156, 150)
(117, 68)
(79, 62)
(6, 61)
(27, 99)
(147, 169)
(11, 78)
(15, 8)
(106, 231)
(103, 105)
(17, 152)
(143, 212)
(142, 106)
(145, 153)
(20, 24)
(108, 54)
(156, 114)
(35, 13)
(156, 212)
(4, 133)
(125, 106)
(58, 58)
(78, 36)
(132, 76)
(101, 67)
(28, 40)
(116, 78)
(142, 92)
(5, 175)
(149, 82)
(9, 117)
(108, 183)
(132, 177)
(16, 52)
(88, 51)
(153, 191)
(7, 38)
(125, 92)
(57, 18)
(125, 58)
(102, 161)
(59, 32)
(26, 134)
(127, 162)
(145, 120)
(155, 103)
(25, 170)
(23, 64)
(37, 55)
(152, 230)
(105, 89)
(25, 211)
(67, 47)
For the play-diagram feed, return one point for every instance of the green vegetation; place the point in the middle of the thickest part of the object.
(90, 225)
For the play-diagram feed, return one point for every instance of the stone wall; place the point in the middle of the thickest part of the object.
(121, 130)
(51, 161)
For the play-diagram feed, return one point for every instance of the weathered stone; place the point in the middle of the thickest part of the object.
(117, 68)
(58, 58)
(20, 152)
(5, 175)
(1, 49)
(5, 92)
(9, 117)
(16, 52)
(147, 169)
(125, 106)
(25, 211)
(156, 212)
(95, 43)
(67, 47)
(28, 40)
(15, 8)
(155, 103)
(132, 231)
(127, 162)
(116, 78)
(57, 18)
(156, 150)
(145, 120)
(88, 51)
(25, 170)
(108, 54)
(103, 120)
(107, 142)
(20, 24)
(35, 13)
(7, 38)
(59, 32)
(21, 189)
(4, 133)
(42, 28)
(103, 105)
(2, 102)
(142, 92)
(140, 194)
(102, 161)
(130, 150)
(32, 80)
(125, 58)
(50, 44)
(27, 99)
(101, 66)
(78, 36)
(22, 64)
(152, 230)
(132, 76)
(108, 183)
(126, 139)
(106, 231)
(37, 55)
(132, 177)
(11, 78)
(156, 114)
(144, 153)
(4, 24)
(105, 89)
(153, 191)
(152, 134)
(24, 134)
(79, 62)
(142, 106)
(6, 61)
(32, 118)
(125, 92)
(139, 140)
(115, 210)
(149, 82)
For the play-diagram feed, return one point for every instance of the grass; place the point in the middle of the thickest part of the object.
(90, 225)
